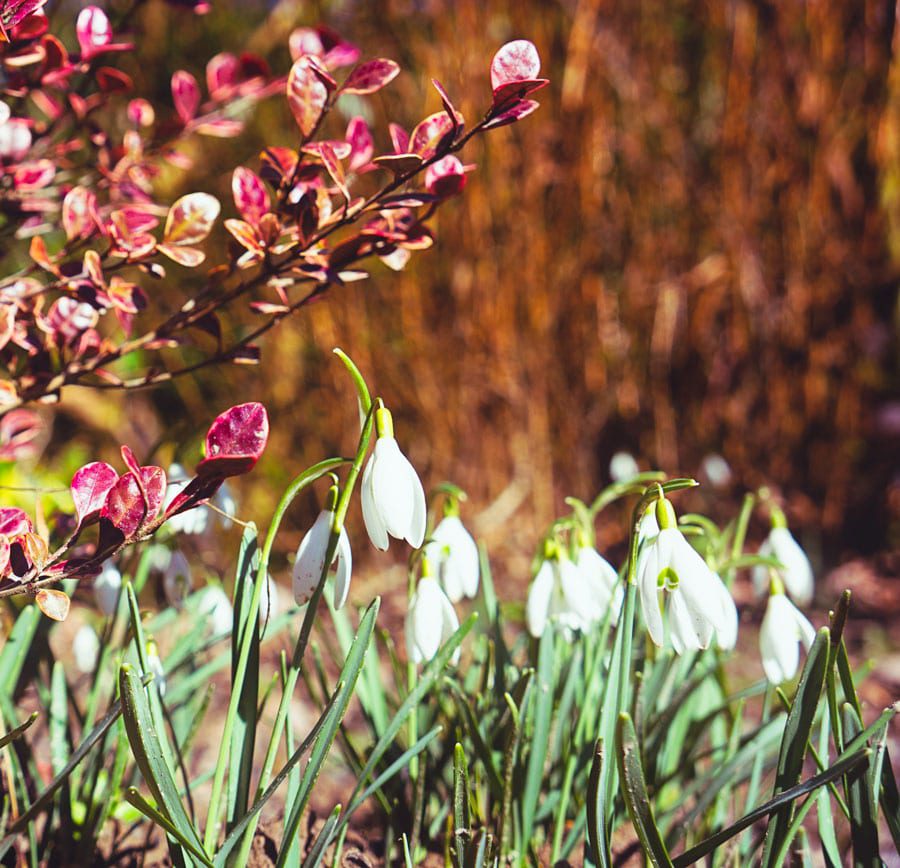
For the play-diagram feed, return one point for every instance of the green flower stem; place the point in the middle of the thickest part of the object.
(299, 483)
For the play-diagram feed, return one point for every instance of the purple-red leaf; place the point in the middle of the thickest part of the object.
(334, 168)
(515, 112)
(125, 507)
(515, 61)
(235, 441)
(90, 487)
(186, 95)
(432, 134)
(362, 148)
(14, 521)
(371, 76)
(399, 164)
(250, 195)
(516, 90)
(190, 219)
(306, 94)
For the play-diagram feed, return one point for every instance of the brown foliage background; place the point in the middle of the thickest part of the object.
(692, 247)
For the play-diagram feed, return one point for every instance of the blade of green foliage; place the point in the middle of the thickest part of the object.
(58, 724)
(243, 736)
(824, 807)
(863, 827)
(796, 735)
(145, 740)
(634, 791)
(461, 824)
(16, 648)
(509, 764)
(541, 711)
(596, 811)
(134, 798)
(707, 846)
(317, 851)
(473, 730)
(13, 734)
(350, 672)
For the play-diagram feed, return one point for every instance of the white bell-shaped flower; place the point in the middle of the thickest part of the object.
(648, 529)
(393, 500)
(177, 579)
(310, 561)
(107, 588)
(85, 648)
(623, 466)
(155, 667)
(216, 607)
(453, 555)
(783, 628)
(430, 622)
(600, 586)
(796, 570)
(270, 603)
(698, 602)
(557, 595)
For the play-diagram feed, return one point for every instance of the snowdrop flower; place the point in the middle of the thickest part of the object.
(393, 500)
(600, 586)
(556, 594)
(107, 587)
(698, 602)
(177, 579)
(648, 529)
(155, 667)
(783, 628)
(85, 648)
(269, 599)
(796, 570)
(216, 607)
(193, 521)
(622, 467)
(430, 621)
(453, 555)
(310, 561)
(716, 470)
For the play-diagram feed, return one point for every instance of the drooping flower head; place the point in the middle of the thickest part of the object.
(698, 602)
(453, 554)
(430, 621)
(795, 570)
(557, 594)
(393, 500)
(783, 628)
(309, 564)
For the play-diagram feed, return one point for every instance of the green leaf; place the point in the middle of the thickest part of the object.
(462, 832)
(634, 790)
(133, 797)
(863, 828)
(542, 710)
(797, 731)
(323, 839)
(145, 741)
(16, 648)
(20, 730)
(58, 726)
(596, 811)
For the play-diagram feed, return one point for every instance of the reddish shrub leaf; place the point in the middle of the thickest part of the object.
(34, 175)
(515, 61)
(362, 147)
(185, 95)
(190, 219)
(306, 94)
(334, 169)
(90, 487)
(399, 164)
(514, 113)
(431, 134)
(445, 178)
(189, 257)
(250, 195)
(93, 30)
(244, 234)
(14, 521)
(54, 604)
(235, 441)
(452, 113)
(35, 549)
(78, 212)
(126, 508)
(113, 80)
(399, 138)
(371, 76)
(4, 554)
(517, 90)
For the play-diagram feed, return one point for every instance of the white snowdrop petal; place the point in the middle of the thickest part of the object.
(415, 530)
(760, 572)
(797, 573)
(371, 517)
(85, 648)
(648, 572)
(428, 618)
(537, 609)
(310, 559)
(392, 488)
(344, 558)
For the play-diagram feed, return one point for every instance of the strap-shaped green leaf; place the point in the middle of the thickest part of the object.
(13, 734)
(462, 832)
(317, 851)
(863, 827)
(133, 797)
(797, 730)
(596, 811)
(541, 711)
(16, 648)
(634, 790)
(147, 749)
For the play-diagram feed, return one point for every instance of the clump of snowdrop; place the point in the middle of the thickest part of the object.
(783, 628)
(430, 621)
(555, 594)
(698, 603)
(599, 586)
(453, 555)
(309, 564)
(795, 570)
(393, 500)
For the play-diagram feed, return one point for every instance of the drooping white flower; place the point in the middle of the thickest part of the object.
(599, 585)
(648, 529)
(310, 561)
(270, 603)
(556, 595)
(155, 667)
(430, 621)
(783, 628)
(177, 579)
(393, 500)
(716, 470)
(453, 555)
(107, 588)
(216, 607)
(622, 467)
(85, 648)
(796, 570)
(192, 521)
(698, 602)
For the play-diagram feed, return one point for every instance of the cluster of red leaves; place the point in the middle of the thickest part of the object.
(127, 507)
(79, 153)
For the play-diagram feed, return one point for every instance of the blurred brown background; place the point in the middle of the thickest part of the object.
(692, 247)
